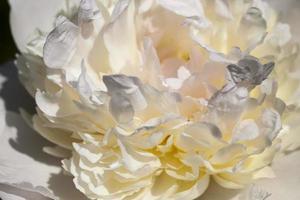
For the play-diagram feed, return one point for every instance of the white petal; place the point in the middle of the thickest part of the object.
(6, 196)
(289, 13)
(280, 35)
(61, 43)
(174, 83)
(228, 153)
(24, 168)
(222, 9)
(128, 87)
(121, 108)
(48, 104)
(16, 167)
(31, 76)
(90, 21)
(291, 136)
(192, 9)
(198, 135)
(214, 54)
(135, 160)
(88, 152)
(245, 130)
(151, 68)
(254, 192)
(197, 190)
(120, 36)
(287, 181)
(57, 136)
(271, 123)
(59, 104)
(8, 192)
(183, 73)
(27, 16)
(145, 5)
(253, 27)
(119, 8)
(88, 11)
(83, 86)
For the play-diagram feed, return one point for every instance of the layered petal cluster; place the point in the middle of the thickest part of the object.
(155, 98)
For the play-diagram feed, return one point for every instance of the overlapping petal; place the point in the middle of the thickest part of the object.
(155, 98)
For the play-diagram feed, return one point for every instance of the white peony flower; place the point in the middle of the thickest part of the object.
(153, 99)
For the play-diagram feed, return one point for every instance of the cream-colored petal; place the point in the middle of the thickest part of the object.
(197, 136)
(228, 153)
(57, 136)
(135, 160)
(57, 151)
(121, 34)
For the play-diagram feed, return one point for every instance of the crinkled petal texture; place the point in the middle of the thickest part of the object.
(155, 98)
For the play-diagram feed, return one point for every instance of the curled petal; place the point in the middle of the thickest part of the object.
(23, 24)
(61, 43)
(191, 9)
(121, 34)
(245, 130)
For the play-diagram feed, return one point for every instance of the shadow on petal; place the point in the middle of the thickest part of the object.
(7, 191)
(216, 192)
(29, 142)
(12, 92)
(16, 97)
(62, 186)
(26, 172)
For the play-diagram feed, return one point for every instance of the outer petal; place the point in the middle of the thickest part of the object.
(284, 186)
(289, 13)
(10, 196)
(12, 193)
(27, 16)
(287, 181)
(168, 188)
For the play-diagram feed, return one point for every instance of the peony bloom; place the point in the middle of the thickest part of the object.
(154, 99)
